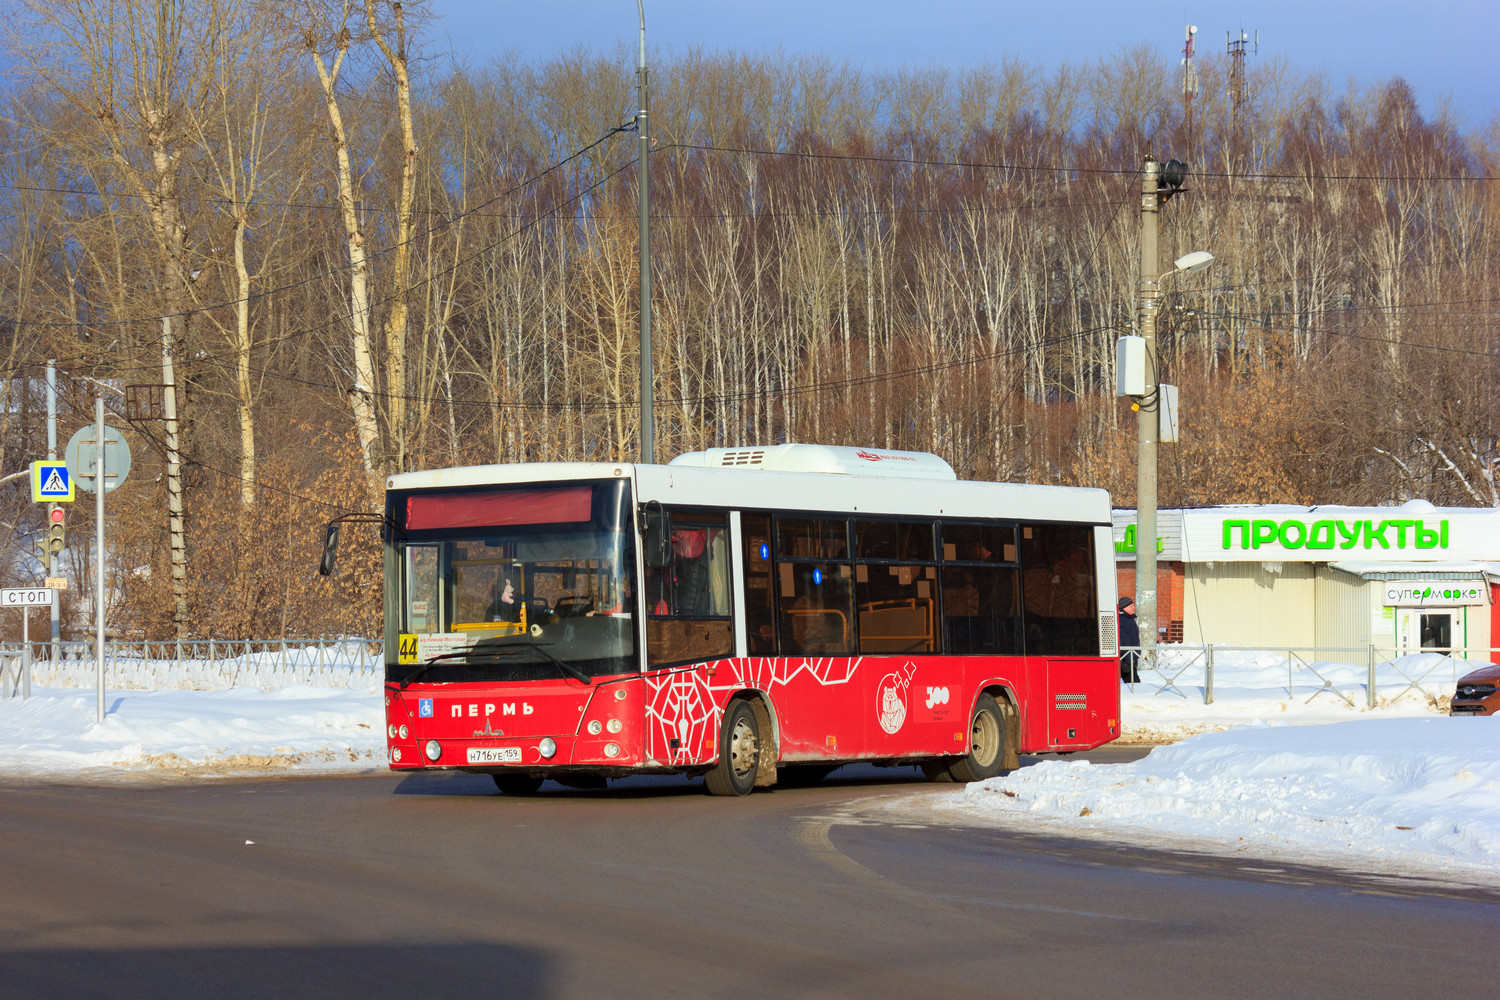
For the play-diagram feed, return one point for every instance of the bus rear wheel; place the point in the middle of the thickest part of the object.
(986, 744)
(517, 784)
(739, 753)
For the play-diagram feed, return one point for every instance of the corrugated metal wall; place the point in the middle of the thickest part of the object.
(1343, 608)
(1250, 604)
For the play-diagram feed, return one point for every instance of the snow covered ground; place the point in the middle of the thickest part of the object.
(1278, 766)
(1379, 795)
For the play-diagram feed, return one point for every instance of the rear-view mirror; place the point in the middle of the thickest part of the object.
(330, 550)
(658, 540)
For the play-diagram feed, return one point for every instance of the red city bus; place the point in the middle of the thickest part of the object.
(746, 614)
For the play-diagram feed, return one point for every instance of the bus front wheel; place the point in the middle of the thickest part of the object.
(986, 744)
(739, 753)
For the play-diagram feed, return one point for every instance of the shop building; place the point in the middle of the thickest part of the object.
(1401, 579)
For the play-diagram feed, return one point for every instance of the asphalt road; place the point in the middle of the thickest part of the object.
(413, 887)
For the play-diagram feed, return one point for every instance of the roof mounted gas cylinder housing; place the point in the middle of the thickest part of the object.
(831, 459)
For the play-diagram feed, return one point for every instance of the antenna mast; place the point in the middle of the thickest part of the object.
(1237, 47)
(1189, 86)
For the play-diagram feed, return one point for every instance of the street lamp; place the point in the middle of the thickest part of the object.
(1195, 261)
(1158, 183)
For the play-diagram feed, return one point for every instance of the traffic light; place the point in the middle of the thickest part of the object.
(57, 540)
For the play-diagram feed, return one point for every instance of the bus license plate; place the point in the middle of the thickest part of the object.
(494, 755)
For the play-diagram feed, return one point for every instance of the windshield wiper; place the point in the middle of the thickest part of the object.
(562, 665)
(429, 664)
(495, 654)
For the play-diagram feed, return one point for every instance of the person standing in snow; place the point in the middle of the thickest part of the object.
(1130, 635)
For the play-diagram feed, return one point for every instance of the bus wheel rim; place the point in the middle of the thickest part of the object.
(742, 748)
(985, 738)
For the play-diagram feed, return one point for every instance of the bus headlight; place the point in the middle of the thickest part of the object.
(615, 725)
(611, 750)
(390, 730)
(594, 728)
(404, 732)
(547, 747)
(395, 755)
(433, 749)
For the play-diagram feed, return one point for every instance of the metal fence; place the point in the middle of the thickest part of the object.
(1352, 674)
(207, 664)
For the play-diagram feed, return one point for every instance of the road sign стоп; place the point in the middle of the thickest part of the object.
(26, 597)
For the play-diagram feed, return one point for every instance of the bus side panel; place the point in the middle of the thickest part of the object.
(1025, 677)
(921, 706)
(808, 697)
(838, 708)
(816, 706)
(870, 707)
(1082, 702)
(684, 710)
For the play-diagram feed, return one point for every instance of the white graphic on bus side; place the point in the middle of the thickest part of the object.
(683, 719)
(891, 699)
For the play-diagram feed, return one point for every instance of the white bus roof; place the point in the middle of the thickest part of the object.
(827, 459)
(755, 488)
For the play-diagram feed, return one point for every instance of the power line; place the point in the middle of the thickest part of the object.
(372, 255)
(1052, 168)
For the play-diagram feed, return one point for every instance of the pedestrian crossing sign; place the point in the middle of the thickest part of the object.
(51, 482)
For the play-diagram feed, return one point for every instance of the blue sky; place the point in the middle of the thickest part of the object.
(1443, 49)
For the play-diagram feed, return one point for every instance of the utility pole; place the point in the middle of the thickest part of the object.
(101, 477)
(1159, 182)
(176, 530)
(1147, 428)
(643, 140)
(53, 569)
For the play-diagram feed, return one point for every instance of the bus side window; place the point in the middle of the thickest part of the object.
(687, 609)
(817, 609)
(1058, 583)
(760, 593)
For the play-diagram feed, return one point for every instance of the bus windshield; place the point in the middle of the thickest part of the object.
(509, 583)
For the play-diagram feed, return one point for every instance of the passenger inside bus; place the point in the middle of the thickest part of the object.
(696, 581)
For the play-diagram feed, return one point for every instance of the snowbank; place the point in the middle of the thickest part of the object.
(56, 732)
(1373, 792)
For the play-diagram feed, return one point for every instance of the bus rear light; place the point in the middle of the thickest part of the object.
(615, 725)
(403, 732)
(395, 755)
(611, 750)
(433, 749)
(547, 747)
(594, 728)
